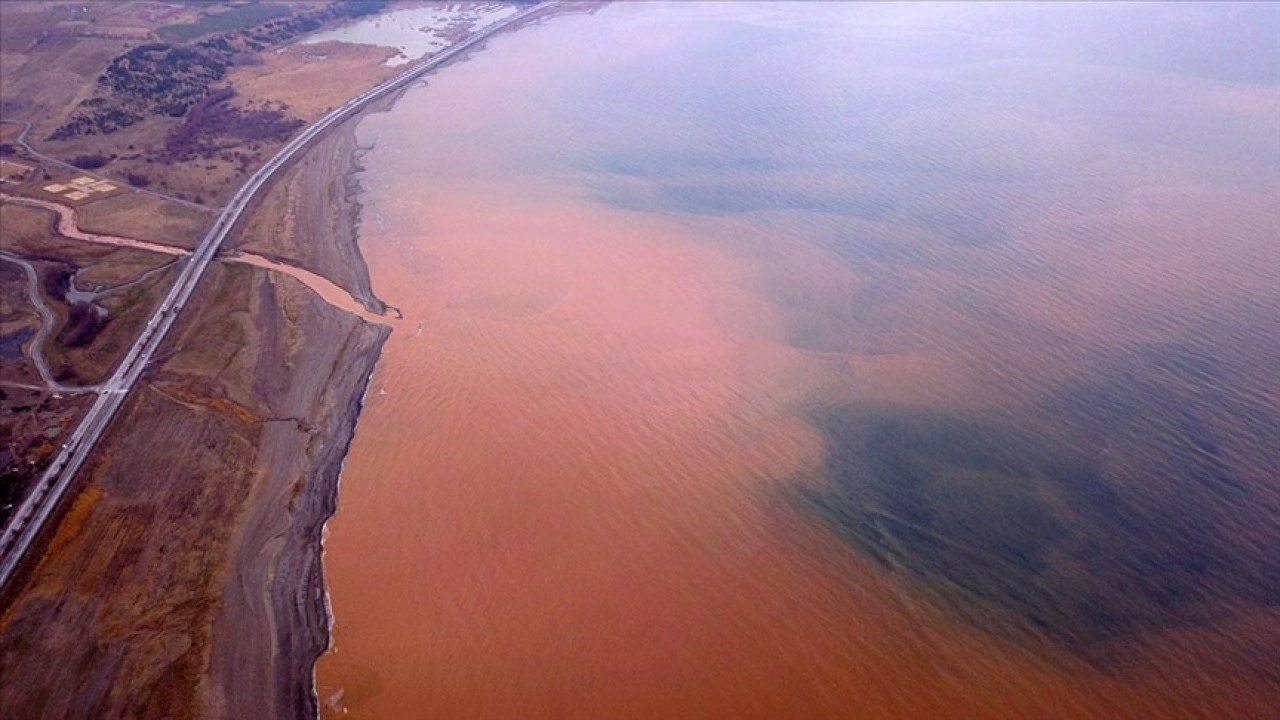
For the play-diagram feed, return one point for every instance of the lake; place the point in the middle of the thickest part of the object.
(823, 360)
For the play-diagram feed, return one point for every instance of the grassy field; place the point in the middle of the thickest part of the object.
(233, 19)
(145, 217)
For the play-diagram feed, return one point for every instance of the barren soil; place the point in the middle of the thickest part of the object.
(202, 512)
(206, 504)
(316, 193)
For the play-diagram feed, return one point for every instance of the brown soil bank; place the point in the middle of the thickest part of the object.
(184, 580)
(202, 515)
(315, 197)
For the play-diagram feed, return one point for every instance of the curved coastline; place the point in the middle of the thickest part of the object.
(307, 634)
(299, 590)
(273, 380)
(290, 601)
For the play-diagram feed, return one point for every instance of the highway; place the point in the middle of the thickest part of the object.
(29, 519)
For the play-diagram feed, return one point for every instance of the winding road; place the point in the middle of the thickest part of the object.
(29, 519)
(46, 326)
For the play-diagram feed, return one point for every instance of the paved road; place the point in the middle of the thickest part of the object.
(29, 519)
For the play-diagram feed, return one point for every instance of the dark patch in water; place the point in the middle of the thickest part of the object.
(656, 166)
(1001, 523)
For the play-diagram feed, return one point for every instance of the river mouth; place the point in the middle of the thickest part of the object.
(736, 382)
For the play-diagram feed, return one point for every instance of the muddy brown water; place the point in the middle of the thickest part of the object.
(821, 361)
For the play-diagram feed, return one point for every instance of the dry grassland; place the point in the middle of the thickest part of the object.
(312, 79)
(145, 217)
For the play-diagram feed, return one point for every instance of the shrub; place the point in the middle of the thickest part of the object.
(83, 325)
(90, 162)
(56, 280)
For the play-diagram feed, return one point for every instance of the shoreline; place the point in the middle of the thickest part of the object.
(324, 187)
(300, 591)
(341, 151)
(327, 607)
(261, 389)
(275, 579)
(306, 592)
(327, 175)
